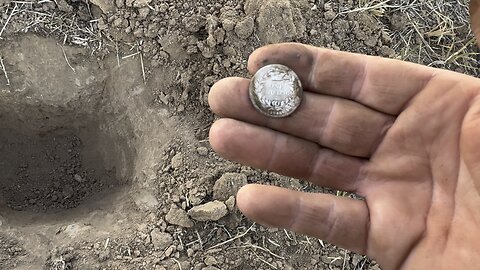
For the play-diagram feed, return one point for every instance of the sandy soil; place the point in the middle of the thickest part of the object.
(104, 154)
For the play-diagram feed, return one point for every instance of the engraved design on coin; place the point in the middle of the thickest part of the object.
(276, 91)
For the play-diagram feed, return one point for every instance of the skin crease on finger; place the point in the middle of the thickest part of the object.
(421, 182)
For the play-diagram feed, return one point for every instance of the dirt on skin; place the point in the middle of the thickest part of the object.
(104, 126)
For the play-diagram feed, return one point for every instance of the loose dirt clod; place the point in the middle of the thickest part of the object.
(278, 20)
(228, 185)
(210, 211)
(160, 239)
(178, 217)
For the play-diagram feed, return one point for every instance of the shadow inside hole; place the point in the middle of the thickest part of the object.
(85, 140)
(51, 170)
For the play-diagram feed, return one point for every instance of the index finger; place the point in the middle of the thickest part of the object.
(382, 84)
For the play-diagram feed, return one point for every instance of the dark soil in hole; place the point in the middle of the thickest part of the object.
(45, 171)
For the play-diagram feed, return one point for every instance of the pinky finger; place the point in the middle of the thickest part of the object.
(337, 220)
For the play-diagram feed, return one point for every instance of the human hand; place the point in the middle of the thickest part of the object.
(403, 136)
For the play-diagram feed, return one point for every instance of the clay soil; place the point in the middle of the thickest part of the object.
(104, 154)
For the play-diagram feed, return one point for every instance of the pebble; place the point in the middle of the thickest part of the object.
(105, 5)
(78, 178)
(138, 3)
(210, 268)
(162, 8)
(177, 161)
(160, 239)
(194, 23)
(245, 27)
(228, 25)
(210, 260)
(230, 203)
(169, 251)
(210, 211)
(202, 151)
(136, 253)
(120, 3)
(228, 185)
(178, 216)
(330, 15)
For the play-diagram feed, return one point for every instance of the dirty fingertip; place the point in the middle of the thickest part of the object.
(219, 135)
(222, 92)
(246, 199)
(293, 55)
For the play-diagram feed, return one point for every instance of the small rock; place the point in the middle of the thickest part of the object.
(177, 161)
(169, 251)
(194, 23)
(356, 259)
(202, 151)
(120, 3)
(230, 203)
(245, 27)
(210, 260)
(330, 15)
(162, 8)
(64, 6)
(210, 211)
(371, 42)
(229, 18)
(228, 185)
(143, 12)
(278, 20)
(67, 191)
(138, 3)
(210, 268)
(106, 6)
(104, 255)
(78, 178)
(160, 239)
(136, 253)
(207, 52)
(178, 216)
(229, 51)
(228, 25)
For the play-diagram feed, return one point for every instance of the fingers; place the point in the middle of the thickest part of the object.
(266, 149)
(383, 84)
(340, 221)
(336, 123)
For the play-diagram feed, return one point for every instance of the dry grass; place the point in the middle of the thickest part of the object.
(436, 33)
(442, 33)
(443, 28)
(25, 16)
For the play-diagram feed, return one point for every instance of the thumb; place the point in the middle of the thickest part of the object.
(470, 141)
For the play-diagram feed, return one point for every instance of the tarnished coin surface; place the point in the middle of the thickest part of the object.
(276, 91)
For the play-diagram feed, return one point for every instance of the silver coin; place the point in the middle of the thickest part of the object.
(276, 91)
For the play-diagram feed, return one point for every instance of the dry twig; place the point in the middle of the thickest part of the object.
(4, 71)
(8, 20)
(232, 239)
